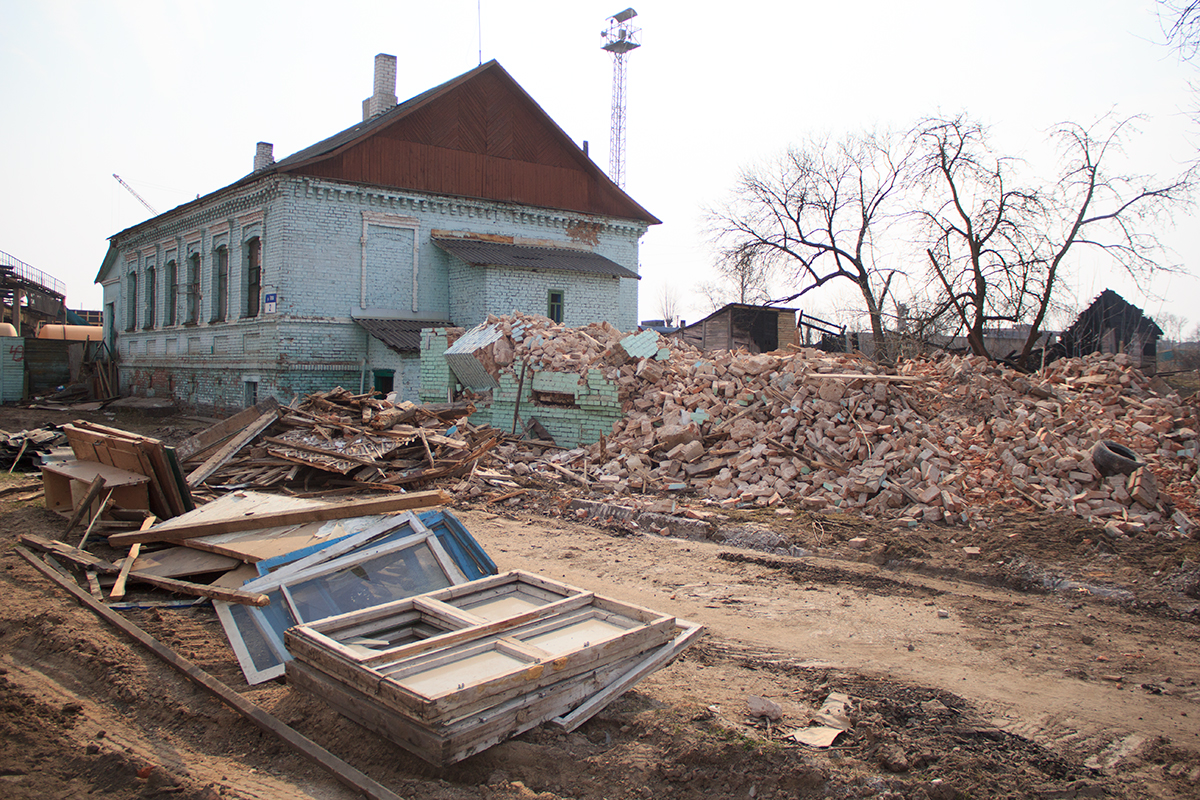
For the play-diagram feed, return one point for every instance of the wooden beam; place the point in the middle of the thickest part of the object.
(211, 437)
(657, 659)
(94, 489)
(343, 772)
(251, 521)
(201, 589)
(230, 449)
(72, 554)
(95, 519)
(118, 590)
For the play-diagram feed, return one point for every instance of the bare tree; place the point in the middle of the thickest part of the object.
(747, 275)
(997, 250)
(668, 304)
(981, 229)
(1172, 326)
(1180, 20)
(815, 215)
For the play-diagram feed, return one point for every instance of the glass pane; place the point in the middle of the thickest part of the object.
(386, 577)
(262, 630)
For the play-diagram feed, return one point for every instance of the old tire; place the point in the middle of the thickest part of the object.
(1111, 458)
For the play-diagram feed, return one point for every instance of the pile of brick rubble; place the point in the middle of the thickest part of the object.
(939, 439)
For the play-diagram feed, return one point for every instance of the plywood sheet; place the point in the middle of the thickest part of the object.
(176, 562)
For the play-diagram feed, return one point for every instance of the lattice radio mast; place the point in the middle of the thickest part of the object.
(619, 39)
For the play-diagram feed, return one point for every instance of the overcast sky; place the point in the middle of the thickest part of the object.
(172, 96)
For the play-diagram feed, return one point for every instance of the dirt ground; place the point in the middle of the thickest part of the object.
(1055, 663)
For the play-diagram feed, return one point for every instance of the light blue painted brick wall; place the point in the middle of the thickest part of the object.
(313, 261)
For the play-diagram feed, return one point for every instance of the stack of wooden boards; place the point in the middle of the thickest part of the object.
(944, 438)
(452, 672)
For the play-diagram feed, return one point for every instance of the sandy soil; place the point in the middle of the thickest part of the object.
(1057, 663)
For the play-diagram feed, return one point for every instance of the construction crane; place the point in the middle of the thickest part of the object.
(619, 39)
(141, 199)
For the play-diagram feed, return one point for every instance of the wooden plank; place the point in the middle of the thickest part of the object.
(230, 449)
(211, 437)
(175, 562)
(94, 489)
(95, 519)
(166, 476)
(250, 521)
(201, 590)
(72, 554)
(118, 590)
(346, 774)
(624, 682)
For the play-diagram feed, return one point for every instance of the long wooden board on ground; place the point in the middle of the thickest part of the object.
(181, 528)
(454, 671)
(345, 773)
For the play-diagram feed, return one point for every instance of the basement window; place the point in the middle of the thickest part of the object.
(555, 300)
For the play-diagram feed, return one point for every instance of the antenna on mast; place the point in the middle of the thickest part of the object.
(619, 39)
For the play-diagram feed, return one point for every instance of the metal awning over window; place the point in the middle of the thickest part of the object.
(479, 253)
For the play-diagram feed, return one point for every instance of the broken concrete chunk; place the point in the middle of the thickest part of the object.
(762, 707)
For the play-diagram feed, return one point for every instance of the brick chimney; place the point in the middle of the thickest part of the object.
(385, 87)
(264, 155)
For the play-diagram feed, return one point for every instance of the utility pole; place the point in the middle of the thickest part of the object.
(620, 38)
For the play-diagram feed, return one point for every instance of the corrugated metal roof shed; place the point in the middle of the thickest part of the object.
(479, 253)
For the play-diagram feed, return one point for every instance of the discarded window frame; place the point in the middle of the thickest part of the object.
(406, 559)
(450, 673)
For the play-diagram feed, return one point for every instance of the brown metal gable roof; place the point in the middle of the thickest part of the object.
(600, 196)
(495, 254)
(477, 135)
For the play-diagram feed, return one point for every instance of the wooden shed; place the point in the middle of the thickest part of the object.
(1112, 325)
(759, 329)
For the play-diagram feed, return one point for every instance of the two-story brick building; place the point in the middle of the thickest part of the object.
(321, 269)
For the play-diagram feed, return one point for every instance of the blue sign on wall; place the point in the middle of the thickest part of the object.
(269, 303)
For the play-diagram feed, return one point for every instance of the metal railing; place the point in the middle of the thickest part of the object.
(26, 272)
